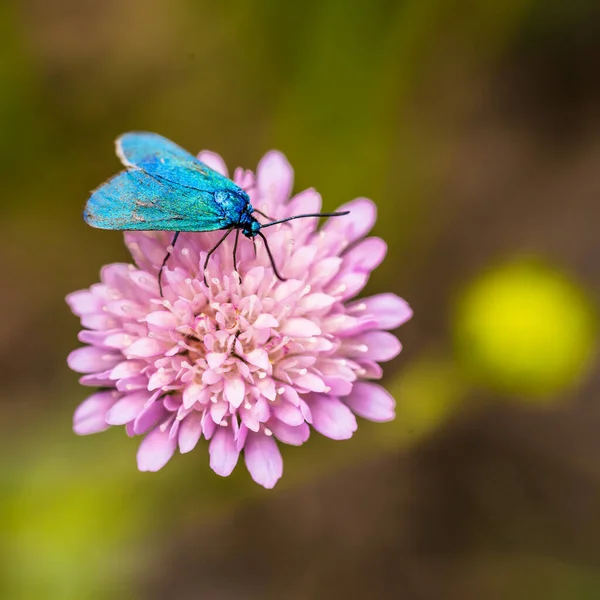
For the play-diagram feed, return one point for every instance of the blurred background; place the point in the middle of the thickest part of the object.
(475, 126)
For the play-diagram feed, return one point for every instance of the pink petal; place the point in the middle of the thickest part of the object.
(127, 369)
(252, 280)
(93, 338)
(213, 161)
(338, 386)
(332, 418)
(195, 393)
(307, 201)
(160, 378)
(380, 346)
(116, 276)
(146, 282)
(366, 255)
(147, 248)
(371, 401)
(208, 425)
(98, 321)
(348, 284)
(144, 348)
(310, 382)
(288, 413)
(211, 377)
(127, 408)
(315, 302)
(90, 359)
(216, 359)
(234, 391)
(263, 459)
(355, 225)
(119, 340)
(90, 414)
(286, 289)
(258, 358)
(298, 327)
(265, 321)
(83, 302)
(389, 310)
(275, 178)
(223, 452)
(370, 370)
(149, 417)
(261, 410)
(97, 380)
(162, 319)
(218, 410)
(190, 431)
(293, 435)
(155, 450)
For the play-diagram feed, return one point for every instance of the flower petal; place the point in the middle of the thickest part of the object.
(366, 255)
(259, 358)
(90, 359)
(379, 346)
(149, 417)
(213, 161)
(288, 434)
(265, 321)
(275, 178)
(223, 452)
(310, 382)
(83, 302)
(389, 311)
(144, 348)
(90, 415)
(355, 225)
(190, 431)
(155, 450)
(234, 391)
(371, 401)
(299, 327)
(332, 418)
(288, 413)
(127, 408)
(263, 459)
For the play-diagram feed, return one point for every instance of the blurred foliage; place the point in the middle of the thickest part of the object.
(353, 93)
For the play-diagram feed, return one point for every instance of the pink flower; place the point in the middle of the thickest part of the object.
(247, 361)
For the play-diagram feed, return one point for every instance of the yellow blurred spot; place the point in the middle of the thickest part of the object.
(525, 328)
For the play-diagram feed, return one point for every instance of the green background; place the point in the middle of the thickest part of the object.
(475, 127)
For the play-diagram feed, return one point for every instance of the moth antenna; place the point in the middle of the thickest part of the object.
(333, 214)
(262, 214)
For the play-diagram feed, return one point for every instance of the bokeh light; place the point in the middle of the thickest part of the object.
(525, 328)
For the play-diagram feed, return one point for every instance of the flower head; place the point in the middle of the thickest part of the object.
(240, 358)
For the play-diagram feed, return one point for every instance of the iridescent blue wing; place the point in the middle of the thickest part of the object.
(162, 158)
(134, 200)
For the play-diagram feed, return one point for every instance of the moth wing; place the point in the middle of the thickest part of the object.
(136, 201)
(160, 157)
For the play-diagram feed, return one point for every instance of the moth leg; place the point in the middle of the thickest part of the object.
(164, 262)
(213, 250)
(237, 237)
(271, 258)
